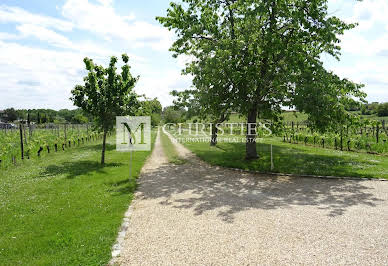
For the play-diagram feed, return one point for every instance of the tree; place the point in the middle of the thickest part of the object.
(382, 110)
(210, 98)
(265, 48)
(173, 115)
(38, 118)
(151, 108)
(44, 119)
(106, 95)
(10, 115)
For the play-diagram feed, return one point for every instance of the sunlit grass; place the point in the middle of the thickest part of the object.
(294, 159)
(65, 209)
(170, 150)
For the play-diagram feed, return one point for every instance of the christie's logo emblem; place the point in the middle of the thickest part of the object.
(133, 133)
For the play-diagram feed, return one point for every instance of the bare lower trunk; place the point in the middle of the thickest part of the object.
(251, 152)
(213, 141)
(103, 148)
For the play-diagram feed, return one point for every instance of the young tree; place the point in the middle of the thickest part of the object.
(265, 48)
(106, 95)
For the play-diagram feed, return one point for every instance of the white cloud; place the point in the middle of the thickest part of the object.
(9, 36)
(42, 78)
(160, 86)
(44, 34)
(103, 20)
(55, 72)
(370, 12)
(364, 47)
(17, 15)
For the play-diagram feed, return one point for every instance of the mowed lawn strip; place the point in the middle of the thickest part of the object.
(293, 159)
(170, 150)
(65, 209)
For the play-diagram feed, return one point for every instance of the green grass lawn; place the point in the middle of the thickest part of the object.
(65, 209)
(294, 159)
(170, 150)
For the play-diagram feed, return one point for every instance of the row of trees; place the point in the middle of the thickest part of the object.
(254, 57)
(380, 109)
(41, 116)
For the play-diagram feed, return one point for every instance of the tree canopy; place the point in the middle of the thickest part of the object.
(266, 55)
(106, 94)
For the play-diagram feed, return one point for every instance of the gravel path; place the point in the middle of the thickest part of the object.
(195, 214)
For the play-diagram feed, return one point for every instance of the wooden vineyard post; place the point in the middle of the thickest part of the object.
(21, 140)
(65, 133)
(25, 135)
(377, 132)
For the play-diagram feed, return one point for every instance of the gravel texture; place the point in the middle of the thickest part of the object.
(196, 214)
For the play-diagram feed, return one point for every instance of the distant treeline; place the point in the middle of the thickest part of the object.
(42, 116)
(375, 108)
(147, 107)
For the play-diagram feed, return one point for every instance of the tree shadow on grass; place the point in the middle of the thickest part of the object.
(292, 160)
(206, 188)
(125, 186)
(97, 147)
(73, 169)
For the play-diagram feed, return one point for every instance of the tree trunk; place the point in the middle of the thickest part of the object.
(103, 148)
(251, 152)
(213, 140)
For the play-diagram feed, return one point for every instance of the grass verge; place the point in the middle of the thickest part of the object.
(65, 209)
(294, 159)
(169, 150)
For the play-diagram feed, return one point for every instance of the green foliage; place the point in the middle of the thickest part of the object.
(151, 108)
(173, 115)
(10, 115)
(294, 159)
(257, 56)
(170, 151)
(39, 137)
(106, 94)
(382, 110)
(49, 115)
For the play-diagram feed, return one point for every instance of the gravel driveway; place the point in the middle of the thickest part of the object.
(195, 214)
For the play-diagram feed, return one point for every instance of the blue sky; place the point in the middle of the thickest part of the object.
(42, 44)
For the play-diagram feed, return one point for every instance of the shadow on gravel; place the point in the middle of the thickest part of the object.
(74, 169)
(210, 188)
